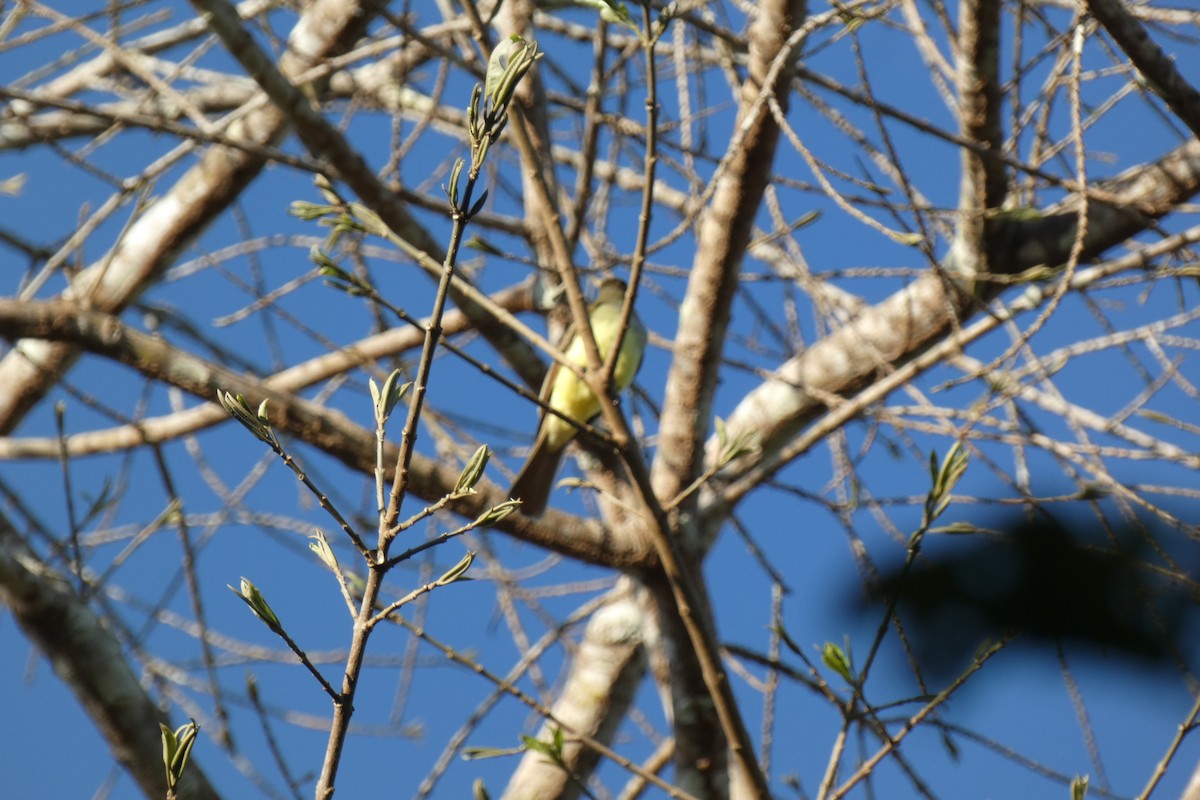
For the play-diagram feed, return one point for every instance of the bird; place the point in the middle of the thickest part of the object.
(565, 392)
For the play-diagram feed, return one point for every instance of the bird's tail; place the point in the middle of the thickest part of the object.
(532, 487)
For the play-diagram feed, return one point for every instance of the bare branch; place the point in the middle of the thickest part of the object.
(87, 656)
(1160, 70)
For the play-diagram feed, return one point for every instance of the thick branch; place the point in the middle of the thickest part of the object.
(725, 227)
(90, 662)
(594, 699)
(63, 322)
(370, 350)
(325, 141)
(724, 235)
(153, 240)
(904, 324)
(983, 183)
(1158, 68)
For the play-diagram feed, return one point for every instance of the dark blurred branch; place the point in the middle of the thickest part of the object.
(1072, 581)
(1156, 66)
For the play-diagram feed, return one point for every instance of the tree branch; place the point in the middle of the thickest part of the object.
(721, 243)
(90, 661)
(152, 241)
(329, 430)
(903, 325)
(1159, 69)
(983, 184)
(593, 700)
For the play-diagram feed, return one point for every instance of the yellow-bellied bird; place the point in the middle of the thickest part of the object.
(565, 392)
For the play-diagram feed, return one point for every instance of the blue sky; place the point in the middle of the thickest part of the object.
(1020, 700)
